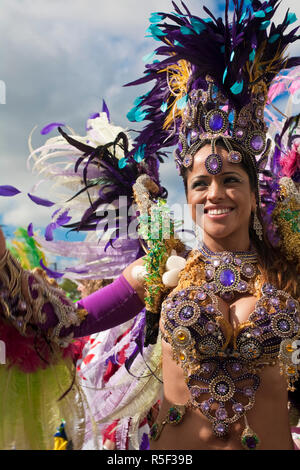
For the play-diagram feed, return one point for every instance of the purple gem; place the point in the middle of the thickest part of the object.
(227, 277)
(256, 332)
(201, 295)
(283, 325)
(227, 259)
(209, 273)
(173, 415)
(291, 304)
(221, 413)
(238, 408)
(216, 122)
(248, 391)
(238, 261)
(205, 406)
(210, 308)
(239, 133)
(257, 142)
(195, 392)
(260, 311)
(208, 286)
(194, 134)
(170, 315)
(242, 286)
(210, 327)
(235, 157)
(222, 388)
(275, 301)
(251, 442)
(220, 428)
(213, 164)
(236, 367)
(186, 312)
(268, 289)
(206, 367)
(248, 270)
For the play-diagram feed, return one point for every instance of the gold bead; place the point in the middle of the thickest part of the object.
(181, 336)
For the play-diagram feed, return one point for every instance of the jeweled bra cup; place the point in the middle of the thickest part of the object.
(221, 364)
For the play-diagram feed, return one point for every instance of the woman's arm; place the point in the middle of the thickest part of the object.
(29, 298)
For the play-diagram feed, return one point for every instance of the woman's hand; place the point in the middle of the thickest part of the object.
(2, 244)
(137, 285)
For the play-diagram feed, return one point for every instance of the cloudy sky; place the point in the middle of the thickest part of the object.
(58, 59)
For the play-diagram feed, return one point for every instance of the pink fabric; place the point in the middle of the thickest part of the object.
(108, 307)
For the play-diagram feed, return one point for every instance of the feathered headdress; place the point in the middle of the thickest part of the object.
(212, 82)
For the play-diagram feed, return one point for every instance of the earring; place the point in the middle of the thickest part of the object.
(257, 226)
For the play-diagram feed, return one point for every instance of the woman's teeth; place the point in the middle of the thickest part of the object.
(218, 211)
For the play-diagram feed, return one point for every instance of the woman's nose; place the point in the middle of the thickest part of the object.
(215, 191)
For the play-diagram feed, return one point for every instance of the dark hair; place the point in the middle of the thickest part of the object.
(276, 268)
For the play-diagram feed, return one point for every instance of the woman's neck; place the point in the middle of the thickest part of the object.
(219, 245)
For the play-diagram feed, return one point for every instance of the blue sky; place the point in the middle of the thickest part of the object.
(58, 59)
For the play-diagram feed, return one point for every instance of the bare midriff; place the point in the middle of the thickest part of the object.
(268, 418)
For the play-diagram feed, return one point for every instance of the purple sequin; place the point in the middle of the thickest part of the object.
(257, 143)
(216, 122)
(227, 277)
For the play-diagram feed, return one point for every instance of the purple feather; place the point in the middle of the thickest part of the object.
(105, 110)
(49, 231)
(41, 202)
(145, 442)
(49, 272)
(8, 191)
(30, 230)
(54, 125)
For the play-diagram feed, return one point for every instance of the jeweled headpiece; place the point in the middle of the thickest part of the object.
(213, 83)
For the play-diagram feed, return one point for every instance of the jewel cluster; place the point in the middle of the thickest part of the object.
(209, 116)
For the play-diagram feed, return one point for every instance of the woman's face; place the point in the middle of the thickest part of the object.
(228, 192)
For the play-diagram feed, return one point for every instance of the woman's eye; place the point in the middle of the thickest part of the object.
(231, 179)
(199, 183)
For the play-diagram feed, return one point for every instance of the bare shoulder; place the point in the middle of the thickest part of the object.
(138, 285)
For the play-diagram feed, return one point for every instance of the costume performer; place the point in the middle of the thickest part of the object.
(229, 319)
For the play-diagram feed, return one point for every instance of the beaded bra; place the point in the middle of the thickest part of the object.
(221, 363)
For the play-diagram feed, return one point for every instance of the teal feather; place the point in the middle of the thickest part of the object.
(155, 18)
(264, 25)
(291, 18)
(185, 30)
(147, 58)
(252, 55)
(237, 87)
(259, 14)
(122, 163)
(274, 38)
(164, 107)
(181, 104)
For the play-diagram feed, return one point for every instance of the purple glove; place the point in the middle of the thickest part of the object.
(110, 306)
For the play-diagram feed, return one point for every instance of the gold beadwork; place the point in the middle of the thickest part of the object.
(35, 289)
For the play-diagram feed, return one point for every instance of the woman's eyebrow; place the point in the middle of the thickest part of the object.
(220, 174)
